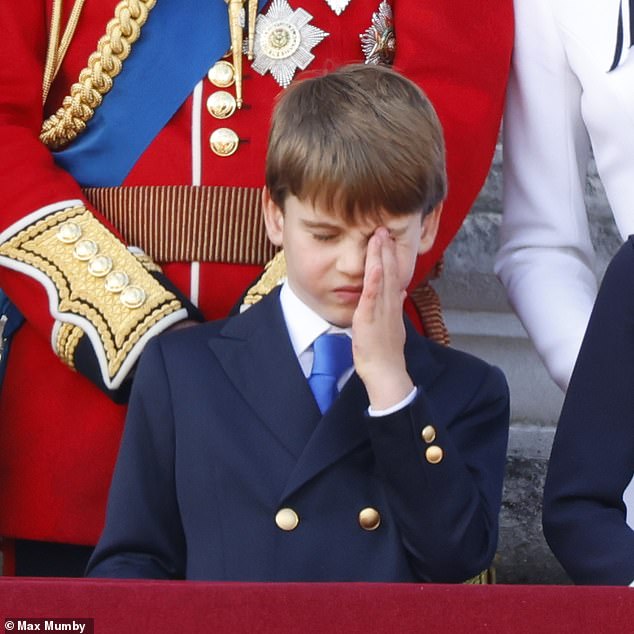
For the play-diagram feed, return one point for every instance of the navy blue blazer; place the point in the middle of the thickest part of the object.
(592, 459)
(223, 432)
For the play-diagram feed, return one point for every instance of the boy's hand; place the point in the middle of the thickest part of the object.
(378, 331)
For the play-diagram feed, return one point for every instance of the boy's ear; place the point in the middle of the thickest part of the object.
(273, 218)
(429, 229)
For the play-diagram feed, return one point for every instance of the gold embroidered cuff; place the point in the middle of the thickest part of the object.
(148, 263)
(102, 289)
(66, 343)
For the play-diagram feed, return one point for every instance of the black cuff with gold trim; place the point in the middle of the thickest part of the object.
(106, 301)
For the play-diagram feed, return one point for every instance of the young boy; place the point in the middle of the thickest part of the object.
(236, 463)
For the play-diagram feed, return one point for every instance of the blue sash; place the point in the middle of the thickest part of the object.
(180, 41)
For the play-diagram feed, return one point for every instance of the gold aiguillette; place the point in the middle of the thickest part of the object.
(236, 31)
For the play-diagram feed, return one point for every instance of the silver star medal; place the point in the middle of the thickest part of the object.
(338, 5)
(378, 42)
(283, 41)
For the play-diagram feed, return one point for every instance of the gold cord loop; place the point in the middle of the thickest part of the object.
(97, 78)
(57, 50)
(51, 51)
(253, 11)
(236, 29)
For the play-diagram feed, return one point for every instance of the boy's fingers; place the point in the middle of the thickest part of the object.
(372, 281)
(390, 269)
(392, 291)
(371, 289)
(372, 257)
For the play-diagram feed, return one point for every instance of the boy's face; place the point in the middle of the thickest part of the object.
(325, 256)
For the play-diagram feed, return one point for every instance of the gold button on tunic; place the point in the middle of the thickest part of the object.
(223, 142)
(222, 74)
(221, 104)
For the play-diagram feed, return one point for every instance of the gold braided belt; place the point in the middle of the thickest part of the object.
(181, 223)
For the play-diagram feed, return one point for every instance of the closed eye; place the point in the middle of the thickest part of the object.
(324, 237)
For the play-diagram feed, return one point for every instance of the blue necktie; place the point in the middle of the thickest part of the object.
(333, 355)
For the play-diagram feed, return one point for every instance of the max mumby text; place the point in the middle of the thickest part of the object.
(82, 626)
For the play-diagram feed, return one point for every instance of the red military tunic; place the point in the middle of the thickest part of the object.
(59, 434)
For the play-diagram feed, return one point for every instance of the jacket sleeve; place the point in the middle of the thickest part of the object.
(443, 469)
(66, 269)
(592, 459)
(546, 259)
(143, 537)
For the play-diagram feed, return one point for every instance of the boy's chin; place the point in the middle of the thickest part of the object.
(341, 324)
(341, 319)
(337, 313)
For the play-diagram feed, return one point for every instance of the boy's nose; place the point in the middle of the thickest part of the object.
(352, 261)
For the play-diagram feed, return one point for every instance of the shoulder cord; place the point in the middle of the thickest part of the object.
(96, 79)
(56, 53)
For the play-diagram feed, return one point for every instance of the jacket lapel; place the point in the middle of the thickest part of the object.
(343, 428)
(255, 352)
(339, 431)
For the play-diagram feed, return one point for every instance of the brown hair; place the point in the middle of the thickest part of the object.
(360, 139)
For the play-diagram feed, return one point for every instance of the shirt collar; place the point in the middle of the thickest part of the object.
(303, 323)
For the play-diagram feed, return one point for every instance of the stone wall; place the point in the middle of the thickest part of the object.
(480, 321)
